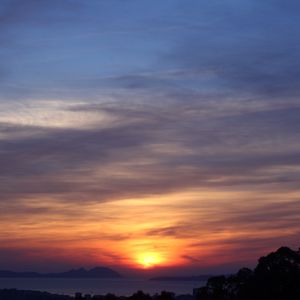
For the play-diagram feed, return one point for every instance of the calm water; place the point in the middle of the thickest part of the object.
(119, 287)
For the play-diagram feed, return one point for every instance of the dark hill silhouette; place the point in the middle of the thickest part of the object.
(97, 272)
(276, 277)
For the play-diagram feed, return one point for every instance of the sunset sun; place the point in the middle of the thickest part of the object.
(148, 260)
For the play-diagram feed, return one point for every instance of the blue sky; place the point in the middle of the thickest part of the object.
(47, 46)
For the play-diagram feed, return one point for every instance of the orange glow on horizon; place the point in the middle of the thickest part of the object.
(171, 230)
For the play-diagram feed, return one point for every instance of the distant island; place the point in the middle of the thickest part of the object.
(97, 272)
(181, 278)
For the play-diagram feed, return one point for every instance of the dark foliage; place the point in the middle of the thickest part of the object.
(140, 295)
(165, 296)
(276, 277)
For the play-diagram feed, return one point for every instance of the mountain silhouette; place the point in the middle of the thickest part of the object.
(97, 272)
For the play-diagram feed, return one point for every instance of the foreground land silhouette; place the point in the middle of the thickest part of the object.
(276, 277)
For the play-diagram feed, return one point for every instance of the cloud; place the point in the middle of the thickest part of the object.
(225, 171)
(191, 259)
(169, 150)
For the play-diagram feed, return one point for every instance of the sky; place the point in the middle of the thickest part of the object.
(148, 136)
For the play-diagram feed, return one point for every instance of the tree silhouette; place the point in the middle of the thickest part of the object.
(276, 277)
(164, 295)
(140, 295)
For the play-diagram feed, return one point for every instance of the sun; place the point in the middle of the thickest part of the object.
(149, 259)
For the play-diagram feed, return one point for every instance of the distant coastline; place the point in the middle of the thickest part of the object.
(181, 278)
(97, 272)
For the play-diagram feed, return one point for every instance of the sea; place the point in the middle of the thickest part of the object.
(119, 287)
